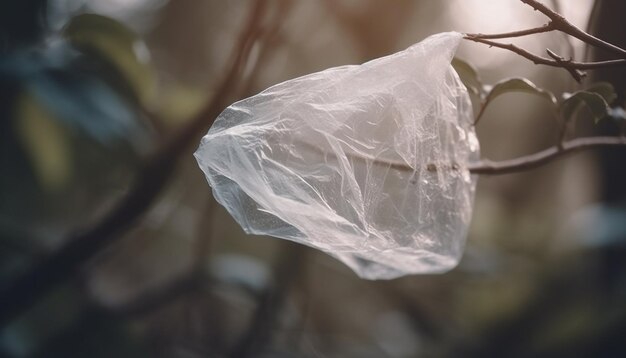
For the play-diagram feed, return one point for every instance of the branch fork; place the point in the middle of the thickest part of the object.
(557, 23)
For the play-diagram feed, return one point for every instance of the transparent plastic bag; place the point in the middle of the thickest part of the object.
(367, 163)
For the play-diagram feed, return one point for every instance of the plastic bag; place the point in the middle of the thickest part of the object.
(367, 163)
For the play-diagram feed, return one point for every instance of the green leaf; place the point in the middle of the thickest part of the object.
(593, 101)
(468, 75)
(117, 44)
(514, 85)
(85, 102)
(179, 103)
(519, 85)
(604, 89)
(44, 139)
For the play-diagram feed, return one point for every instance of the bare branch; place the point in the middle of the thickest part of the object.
(561, 24)
(573, 67)
(567, 65)
(556, 4)
(535, 30)
(538, 60)
(554, 16)
(487, 167)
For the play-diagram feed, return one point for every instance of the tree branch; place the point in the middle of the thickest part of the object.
(556, 5)
(22, 293)
(535, 30)
(567, 65)
(573, 67)
(487, 167)
(560, 23)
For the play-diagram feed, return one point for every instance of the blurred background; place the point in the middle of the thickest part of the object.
(126, 254)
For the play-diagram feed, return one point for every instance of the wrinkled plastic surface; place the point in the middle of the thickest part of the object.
(367, 163)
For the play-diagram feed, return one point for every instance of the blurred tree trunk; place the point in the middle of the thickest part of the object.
(606, 22)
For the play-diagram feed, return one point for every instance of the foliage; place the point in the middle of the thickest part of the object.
(596, 98)
(75, 133)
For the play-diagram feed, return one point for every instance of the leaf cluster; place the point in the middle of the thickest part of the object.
(596, 99)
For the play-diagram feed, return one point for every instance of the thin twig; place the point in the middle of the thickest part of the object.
(558, 23)
(549, 62)
(573, 67)
(556, 4)
(22, 293)
(481, 111)
(535, 30)
(561, 24)
(566, 64)
(543, 157)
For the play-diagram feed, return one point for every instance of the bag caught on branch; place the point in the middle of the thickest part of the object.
(367, 163)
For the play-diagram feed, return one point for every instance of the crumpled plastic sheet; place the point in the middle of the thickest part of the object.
(367, 163)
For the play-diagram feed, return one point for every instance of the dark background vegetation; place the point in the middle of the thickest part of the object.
(100, 115)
